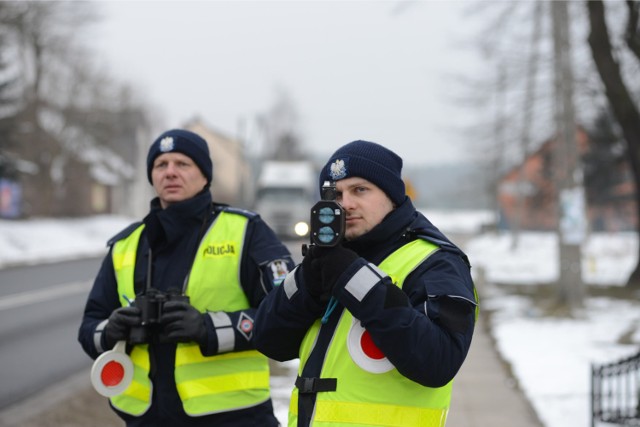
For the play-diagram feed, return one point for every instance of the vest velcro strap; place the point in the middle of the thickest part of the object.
(315, 385)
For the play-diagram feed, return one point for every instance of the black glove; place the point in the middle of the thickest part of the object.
(321, 268)
(119, 324)
(182, 322)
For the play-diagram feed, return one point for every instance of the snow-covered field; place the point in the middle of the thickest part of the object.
(550, 356)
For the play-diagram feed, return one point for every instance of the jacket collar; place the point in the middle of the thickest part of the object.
(169, 225)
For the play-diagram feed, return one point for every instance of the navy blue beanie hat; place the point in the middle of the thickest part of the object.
(185, 142)
(370, 161)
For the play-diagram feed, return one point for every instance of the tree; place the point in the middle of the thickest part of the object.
(540, 95)
(44, 36)
(600, 62)
(74, 122)
(625, 109)
(7, 104)
(567, 169)
(604, 163)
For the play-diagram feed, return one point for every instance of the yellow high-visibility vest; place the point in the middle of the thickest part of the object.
(370, 390)
(206, 385)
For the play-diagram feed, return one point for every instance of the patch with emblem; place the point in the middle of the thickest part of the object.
(279, 270)
(166, 144)
(364, 352)
(338, 169)
(245, 325)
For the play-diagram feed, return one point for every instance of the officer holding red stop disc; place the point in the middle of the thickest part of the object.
(181, 289)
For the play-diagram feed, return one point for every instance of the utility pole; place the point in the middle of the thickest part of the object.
(567, 168)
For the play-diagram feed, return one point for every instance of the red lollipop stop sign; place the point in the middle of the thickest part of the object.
(112, 371)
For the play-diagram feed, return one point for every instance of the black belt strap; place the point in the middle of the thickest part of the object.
(315, 385)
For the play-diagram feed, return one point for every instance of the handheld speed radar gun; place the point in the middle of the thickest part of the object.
(327, 218)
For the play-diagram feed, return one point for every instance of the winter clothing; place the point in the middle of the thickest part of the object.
(181, 242)
(370, 161)
(404, 403)
(322, 266)
(405, 315)
(185, 142)
(120, 323)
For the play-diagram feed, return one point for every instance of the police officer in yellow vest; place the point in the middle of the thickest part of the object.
(381, 323)
(196, 365)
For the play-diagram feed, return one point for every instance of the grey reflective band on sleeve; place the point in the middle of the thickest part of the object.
(456, 297)
(364, 280)
(97, 336)
(289, 284)
(463, 298)
(224, 331)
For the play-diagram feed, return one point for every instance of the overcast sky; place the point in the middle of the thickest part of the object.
(377, 70)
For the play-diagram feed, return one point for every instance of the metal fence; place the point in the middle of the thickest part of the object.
(615, 393)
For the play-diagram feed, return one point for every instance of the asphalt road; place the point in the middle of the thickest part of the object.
(40, 311)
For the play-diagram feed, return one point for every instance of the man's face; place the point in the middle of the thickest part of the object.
(365, 203)
(175, 178)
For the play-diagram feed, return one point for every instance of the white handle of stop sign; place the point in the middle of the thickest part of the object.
(112, 371)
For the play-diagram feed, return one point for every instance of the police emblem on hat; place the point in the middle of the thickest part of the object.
(338, 170)
(166, 144)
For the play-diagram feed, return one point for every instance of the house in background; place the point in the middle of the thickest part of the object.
(84, 179)
(232, 178)
(86, 164)
(90, 176)
(527, 193)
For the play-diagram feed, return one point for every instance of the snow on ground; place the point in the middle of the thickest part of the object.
(36, 240)
(550, 356)
(606, 259)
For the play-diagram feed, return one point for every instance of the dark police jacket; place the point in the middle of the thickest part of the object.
(173, 234)
(440, 291)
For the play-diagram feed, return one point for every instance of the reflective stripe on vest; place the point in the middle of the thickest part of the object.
(370, 391)
(206, 385)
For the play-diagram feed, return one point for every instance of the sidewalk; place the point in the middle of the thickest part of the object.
(484, 392)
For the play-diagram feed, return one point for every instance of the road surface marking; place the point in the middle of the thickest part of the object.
(33, 297)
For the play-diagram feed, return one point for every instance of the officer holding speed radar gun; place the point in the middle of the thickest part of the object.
(179, 291)
(381, 322)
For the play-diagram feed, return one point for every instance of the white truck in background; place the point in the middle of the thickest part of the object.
(285, 193)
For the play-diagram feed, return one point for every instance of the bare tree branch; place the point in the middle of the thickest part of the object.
(624, 109)
(633, 27)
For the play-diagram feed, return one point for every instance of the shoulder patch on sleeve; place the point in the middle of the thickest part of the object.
(279, 270)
